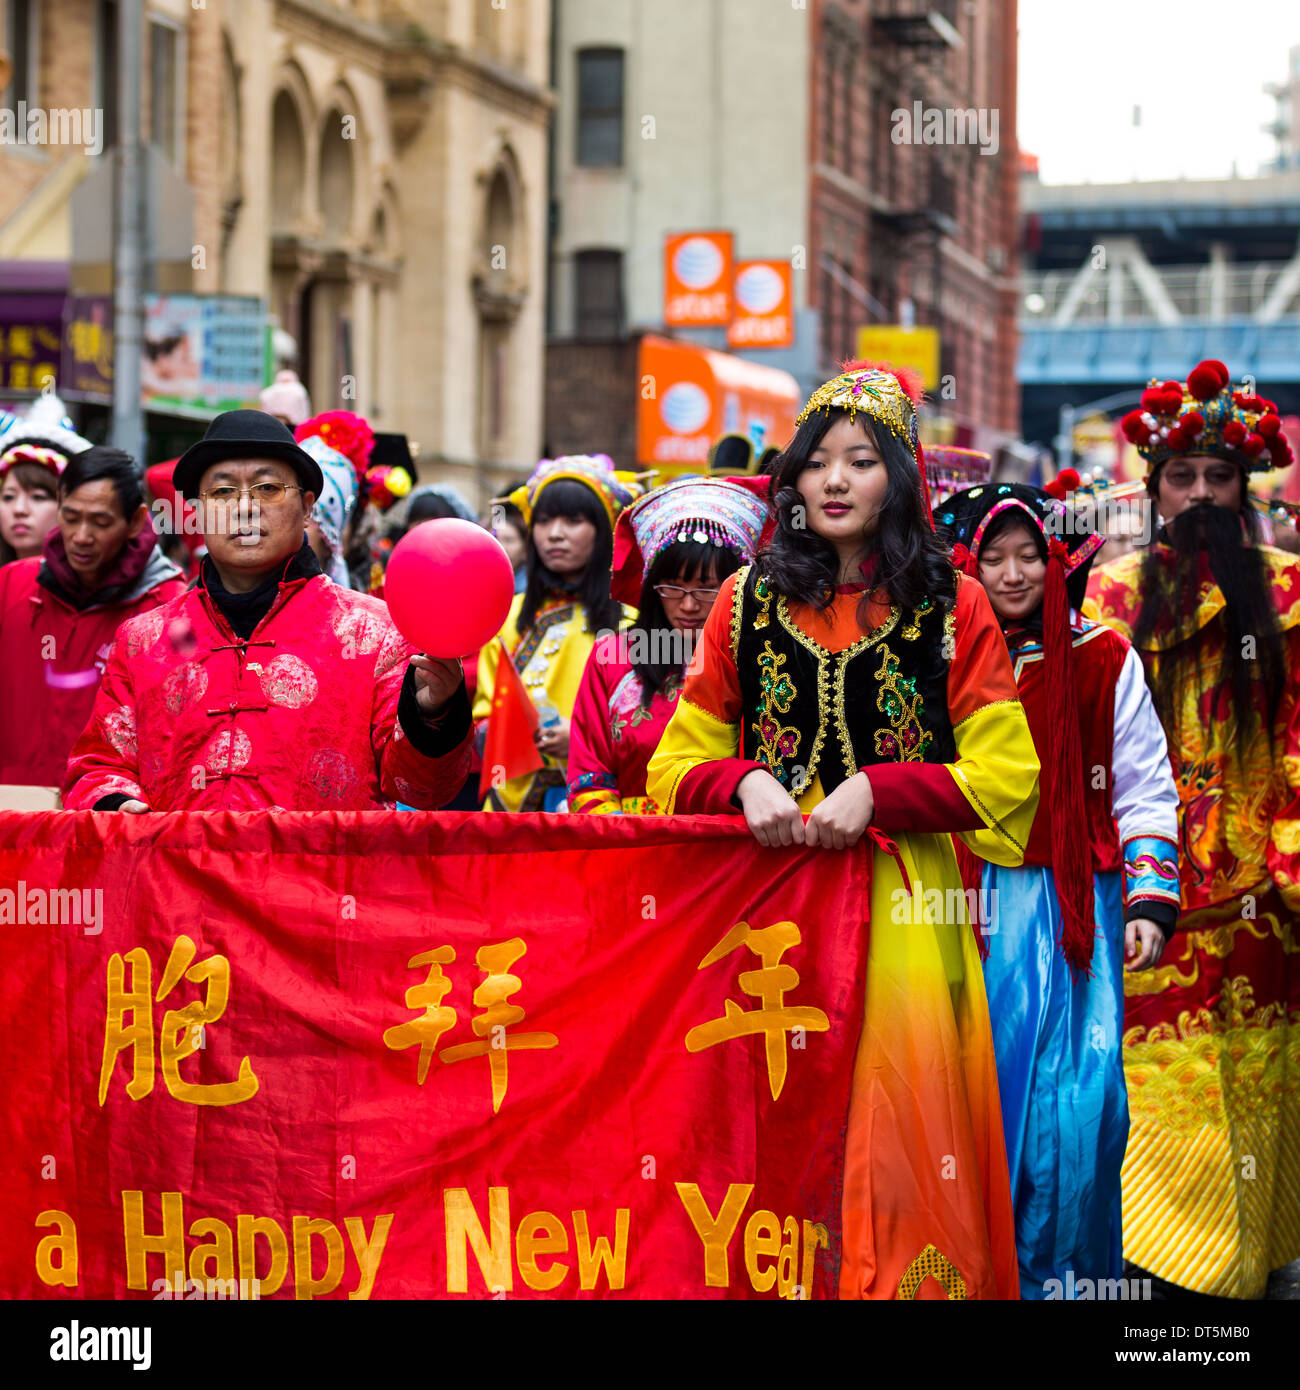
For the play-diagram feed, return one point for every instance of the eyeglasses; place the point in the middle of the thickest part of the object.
(266, 493)
(1215, 477)
(675, 591)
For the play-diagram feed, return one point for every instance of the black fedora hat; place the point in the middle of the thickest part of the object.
(239, 434)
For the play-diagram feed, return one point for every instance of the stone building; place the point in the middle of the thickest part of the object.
(374, 170)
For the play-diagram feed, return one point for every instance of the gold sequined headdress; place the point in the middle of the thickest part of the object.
(888, 394)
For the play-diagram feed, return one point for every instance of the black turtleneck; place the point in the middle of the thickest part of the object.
(244, 611)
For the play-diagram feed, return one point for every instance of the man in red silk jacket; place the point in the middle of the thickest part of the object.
(266, 686)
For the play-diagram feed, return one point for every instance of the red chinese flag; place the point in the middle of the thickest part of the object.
(511, 725)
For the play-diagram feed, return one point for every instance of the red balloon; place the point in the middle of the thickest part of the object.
(449, 586)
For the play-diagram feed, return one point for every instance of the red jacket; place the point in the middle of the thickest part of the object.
(303, 716)
(53, 654)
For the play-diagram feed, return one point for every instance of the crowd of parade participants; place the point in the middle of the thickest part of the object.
(1100, 765)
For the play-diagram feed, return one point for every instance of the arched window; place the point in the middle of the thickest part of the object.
(501, 251)
(288, 163)
(336, 177)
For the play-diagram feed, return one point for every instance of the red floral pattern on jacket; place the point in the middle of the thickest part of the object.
(301, 717)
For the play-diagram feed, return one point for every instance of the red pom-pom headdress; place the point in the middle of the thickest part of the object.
(1206, 416)
(344, 431)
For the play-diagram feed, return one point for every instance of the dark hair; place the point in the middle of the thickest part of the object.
(566, 497)
(689, 560)
(29, 477)
(101, 462)
(912, 563)
(429, 506)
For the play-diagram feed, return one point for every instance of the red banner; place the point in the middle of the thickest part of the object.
(411, 1056)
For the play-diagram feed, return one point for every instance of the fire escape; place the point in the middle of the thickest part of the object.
(910, 39)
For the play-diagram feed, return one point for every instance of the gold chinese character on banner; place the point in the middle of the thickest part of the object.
(497, 1016)
(769, 985)
(183, 1029)
(436, 1020)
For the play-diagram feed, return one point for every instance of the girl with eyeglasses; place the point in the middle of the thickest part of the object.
(570, 505)
(851, 691)
(686, 538)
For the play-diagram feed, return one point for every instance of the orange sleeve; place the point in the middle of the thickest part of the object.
(712, 682)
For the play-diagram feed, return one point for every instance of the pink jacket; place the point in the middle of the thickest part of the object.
(301, 717)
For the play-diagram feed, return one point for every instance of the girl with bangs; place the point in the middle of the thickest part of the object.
(852, 690)
(570, 506)
(686, 537)
(29, 504)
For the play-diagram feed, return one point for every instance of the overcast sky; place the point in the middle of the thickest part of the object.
(1196, 69)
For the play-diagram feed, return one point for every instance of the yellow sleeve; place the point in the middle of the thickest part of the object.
(693, 736)
(997, 770)
(996, 766)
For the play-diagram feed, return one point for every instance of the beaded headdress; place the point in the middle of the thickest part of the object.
(965, 518)
(53, 459)
(46, 424)
(706, 510)
(616, 490)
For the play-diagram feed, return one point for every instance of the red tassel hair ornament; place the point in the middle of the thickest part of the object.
(1062, 773)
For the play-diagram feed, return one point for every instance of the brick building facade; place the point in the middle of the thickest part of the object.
(373, 170)
(935, 224)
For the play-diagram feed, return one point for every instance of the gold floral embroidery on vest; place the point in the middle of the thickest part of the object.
(776, 742)
(930, 1264)
(763, 592)
(912, 630)
(905, 741)
(737, 602)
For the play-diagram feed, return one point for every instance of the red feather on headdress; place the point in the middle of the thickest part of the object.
(907, 377)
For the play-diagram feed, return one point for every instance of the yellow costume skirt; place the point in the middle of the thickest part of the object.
(927, 1200)
(1211, 1179)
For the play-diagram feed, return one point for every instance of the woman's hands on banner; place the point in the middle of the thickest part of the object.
(774, 818)
(840, 820)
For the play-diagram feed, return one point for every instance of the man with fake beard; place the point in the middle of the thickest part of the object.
(1211, 1178)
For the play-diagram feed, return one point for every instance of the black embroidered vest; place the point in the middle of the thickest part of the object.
(807, 710)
